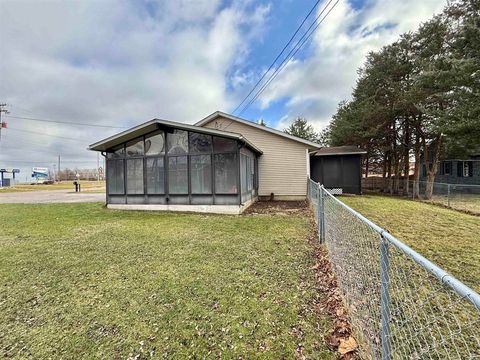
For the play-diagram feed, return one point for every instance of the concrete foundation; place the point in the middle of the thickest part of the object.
(283, 197)
(212, 209)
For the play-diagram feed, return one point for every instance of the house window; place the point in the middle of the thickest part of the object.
(201, 174)
(446, 168)
(177, 175)
(226, 173)
(467, 169)
(135, 147)
(155, 168)
(200, 143)
(115, 178)
(464, 168)
(134, 176)
(177, 142)
(155, 143)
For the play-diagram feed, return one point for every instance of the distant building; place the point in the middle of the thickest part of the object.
(456, 171)
(6, 182)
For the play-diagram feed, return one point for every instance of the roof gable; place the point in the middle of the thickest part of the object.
(218, 114)
(155, 124)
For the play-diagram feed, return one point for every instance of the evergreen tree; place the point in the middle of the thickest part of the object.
(302, 129)
(417, 96)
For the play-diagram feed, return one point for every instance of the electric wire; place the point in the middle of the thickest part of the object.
(306, 36)
(278, 56)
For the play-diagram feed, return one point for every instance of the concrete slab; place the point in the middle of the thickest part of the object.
(50, 196)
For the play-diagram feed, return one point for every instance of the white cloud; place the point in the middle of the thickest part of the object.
(315, 85)
(115, 62)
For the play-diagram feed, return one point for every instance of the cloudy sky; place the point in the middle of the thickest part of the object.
(119, 63)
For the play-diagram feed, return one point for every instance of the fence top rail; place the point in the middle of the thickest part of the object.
(451, 184)
(456, 285)
(422, 181)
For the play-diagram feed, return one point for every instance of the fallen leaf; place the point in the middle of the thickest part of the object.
(347, 345)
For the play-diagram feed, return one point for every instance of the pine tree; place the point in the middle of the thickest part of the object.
(302, 129)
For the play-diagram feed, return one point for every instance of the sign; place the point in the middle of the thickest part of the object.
(3, 124)
(40, 173)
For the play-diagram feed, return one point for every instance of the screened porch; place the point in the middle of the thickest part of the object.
(179, 166)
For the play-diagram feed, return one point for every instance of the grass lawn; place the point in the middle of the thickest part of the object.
(449, 238)
(79, 281)
(61, 185)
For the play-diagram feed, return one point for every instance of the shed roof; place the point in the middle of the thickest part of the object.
(155, 124)
(338, 150)
(217, 114)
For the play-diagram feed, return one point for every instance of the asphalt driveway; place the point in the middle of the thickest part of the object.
(50, 196)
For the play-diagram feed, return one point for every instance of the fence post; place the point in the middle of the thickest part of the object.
(385, 298)
(321, 214)
(319, 210)
(448, 195)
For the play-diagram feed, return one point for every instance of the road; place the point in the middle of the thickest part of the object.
(50, 196)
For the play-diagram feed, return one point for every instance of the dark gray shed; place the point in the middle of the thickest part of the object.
(338, 167)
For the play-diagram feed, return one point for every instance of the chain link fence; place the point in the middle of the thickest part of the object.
(457, 196)
(401, 305)
(464, 197)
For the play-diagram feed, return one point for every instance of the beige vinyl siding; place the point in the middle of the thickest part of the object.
(282, 169)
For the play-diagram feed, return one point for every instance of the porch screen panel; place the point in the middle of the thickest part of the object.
(200, 143)
(155, 143)
(135, 147)
(226, 174)
(134, 176)
(249, 174)
(178, 175)
(115, 177)
(177, 142)
(201, 174)
(243, 172)
(224, 145)
(155, 168)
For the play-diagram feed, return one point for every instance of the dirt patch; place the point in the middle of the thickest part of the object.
(339, 337)
(276, 207)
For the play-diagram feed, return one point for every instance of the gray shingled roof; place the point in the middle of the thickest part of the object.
(338, 150)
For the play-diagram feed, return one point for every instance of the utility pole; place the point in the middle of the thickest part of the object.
(59, 178)
(2, 124)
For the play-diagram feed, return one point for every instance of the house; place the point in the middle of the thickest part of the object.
(338, 168)
(221, 164)
(456, 171)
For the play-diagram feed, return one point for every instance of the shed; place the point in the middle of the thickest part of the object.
(338, 168)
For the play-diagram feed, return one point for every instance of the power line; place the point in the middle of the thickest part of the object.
(39, 133)
(22, 109)
(278, 56)
(292, 52)
(66, 122)
(49, 161)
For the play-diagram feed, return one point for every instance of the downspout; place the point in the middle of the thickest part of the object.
(105, 175)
